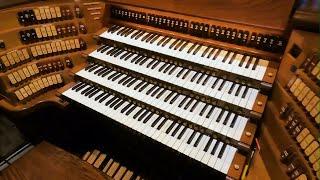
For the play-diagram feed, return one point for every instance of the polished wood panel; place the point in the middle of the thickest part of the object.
(47, 161)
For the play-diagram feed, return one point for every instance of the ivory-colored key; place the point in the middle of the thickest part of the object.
(19, 95)
(5, 61)
(99, 161)
(12, 79)
(42, 13)
(314, 156)
(107, 166)
(34, 51)
(315, 110)
(23, 92)
(303, 93)
(59, 78)
(58, 12)
(308, 98)
(45, 82)
(128, 175)
(72, 44)
(311, 148)
(54, 79)
(16, 76)
(25, 53)
(48, 47)
(41, 85)
(53, 47)
(20, 55)
(302, 134)
(48, 14)
(120, 173)
(28, 90)
(43, 32)
(44, 49)
(86, 156)
(36, 85)
(33, 89)
(37, 14)
(58, 45)
(77, 43)
(10, 59)
(48, 30)
(306, 141)
(63, 45)
(15, 57)
(26, 72)
(39, 50)
(316, 166)
(38, 32)
(53, 13)
(93, 156)
(113, 169)
(21, 74)
(295, 85)
(53, 30)
(49, 79)
(35, 68)
(67, 45)
(312, 103)
(30, 70)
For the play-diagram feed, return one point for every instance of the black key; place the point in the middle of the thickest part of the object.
(242, 61)
(172, 70)
(216, 55)
(160, 42)
(113, 75)
(111, 50)
(86, 90)
(151, 89)
(161, 93)
(156, 91)
(238, 90)
(188, 104)
(148, 118)
(191, 137)
(184, 45)
(226, 56)
(131, 109)
(156, 121)
(104, 98)
(117, 76)
(114, 103)
(77, 85)
(255, 64)
(135, 34)
(221, 85)
(176, 130)
(196, 50)
(161, 124)
(211, 53)
(129, 32)
(100, 70)
(249, 62)
(150, 37)
(129, 56)
(167, 68)
(174, 43)
(234, 121)
(123, 56)
(198, 140)
(107, 72)
(191, 48)
(132, 82)
(204, 109)
(166, 41)
(174, 98)
(123, 79)
(205, 51)
(222, 151)
(182, 132)
(103, 71)
(245, 92)
(100, 96)
(138, 113)
(143, 61)
(155, 65)
(178, 45)
(169, 96)
(146, 36)
(118, 53)
(123, 29)
(162, 67)
(183, 101)
(232, 58)
(89, 66)
(101, 47)
(139, 35)
(227, 118)
(138, 85)
(94, 93)
(232, 87)
(105, 49)
(135, 58)
(220, 116)
(143, 115)
(181, 71)
(194, 106)
(154, 39)
(215, 148)
(127, 81)
(111, 100)
(90, 91)
(143, 87)
(119, 104)
(150, 63)
(210, 112)
(206, 80)
(208, 144)
(93, 68)
(139, 60)
(200, 78)
(186, 74)
(170, 127)
(125, 108)
(194, 76)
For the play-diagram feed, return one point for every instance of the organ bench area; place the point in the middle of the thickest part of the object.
(214, 83)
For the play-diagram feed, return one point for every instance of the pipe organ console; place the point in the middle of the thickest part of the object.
(217, 83)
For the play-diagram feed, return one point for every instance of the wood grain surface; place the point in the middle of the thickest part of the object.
(48, 162)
